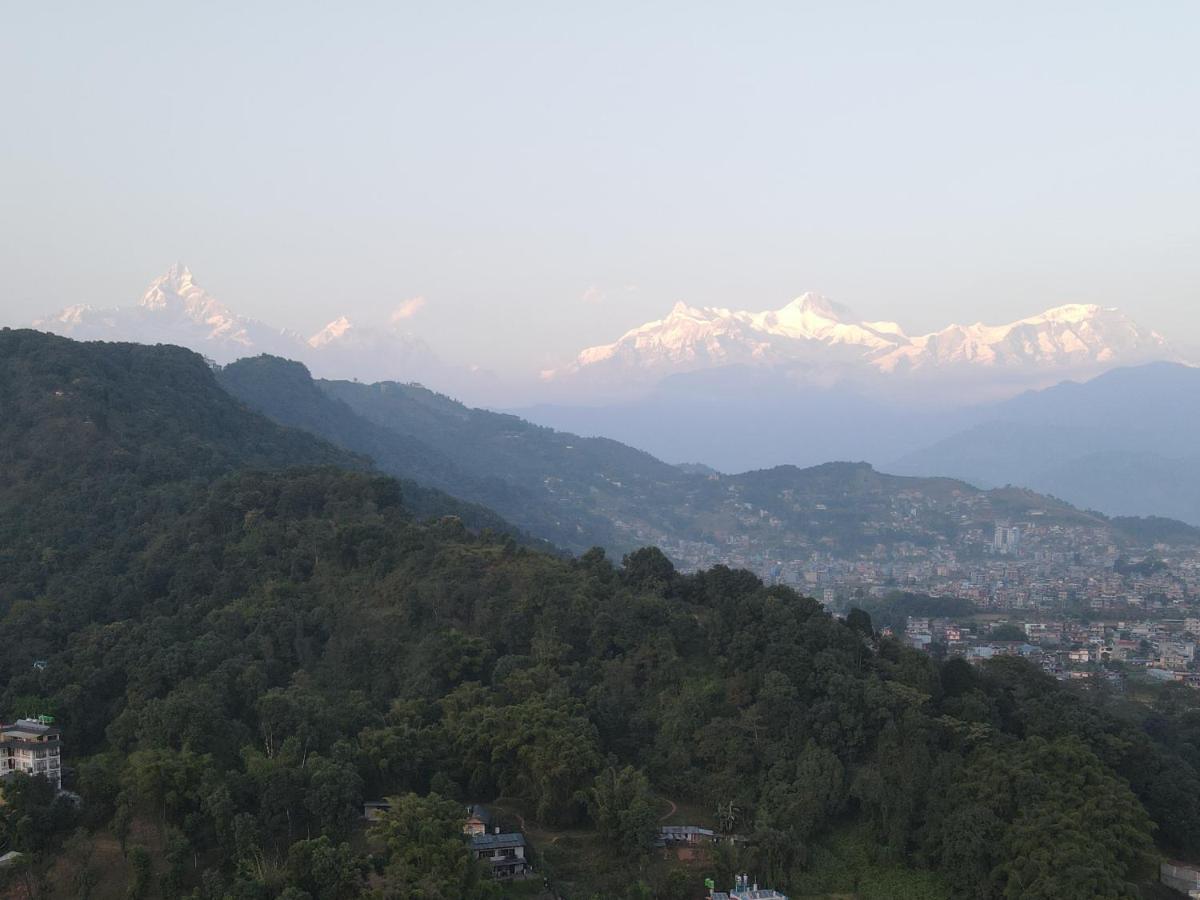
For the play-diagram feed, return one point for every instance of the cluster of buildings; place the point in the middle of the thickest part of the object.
(1046, 568)
(502, 851)
(1164, 649)
(692, 842)
(998, 551)
(1001, 550)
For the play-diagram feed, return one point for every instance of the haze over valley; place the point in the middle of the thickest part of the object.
(802, 385)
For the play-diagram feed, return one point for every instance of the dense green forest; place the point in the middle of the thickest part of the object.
(578, 492)
(245, 632)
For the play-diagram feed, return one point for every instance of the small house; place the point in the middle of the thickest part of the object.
(504, 853)
(690, 836)
(373, 810)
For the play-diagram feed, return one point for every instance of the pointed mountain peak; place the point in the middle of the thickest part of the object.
(813, 304)
(170, 288)
(682, 309)
(179, 274)
(334, 331)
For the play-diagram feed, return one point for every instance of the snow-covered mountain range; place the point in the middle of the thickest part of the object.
(811, 341)
(176, 310)
(816, 335)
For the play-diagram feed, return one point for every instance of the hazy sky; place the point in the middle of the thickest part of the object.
(546, 175)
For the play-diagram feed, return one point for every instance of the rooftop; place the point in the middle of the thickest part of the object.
(30, 728)
(480, 813)
(497, 841)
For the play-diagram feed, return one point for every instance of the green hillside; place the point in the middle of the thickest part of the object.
(237, 658)
(580, 492)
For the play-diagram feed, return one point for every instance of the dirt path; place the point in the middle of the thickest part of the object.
(538, 831)
(674, 809)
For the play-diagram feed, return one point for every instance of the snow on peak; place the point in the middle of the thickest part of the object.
(179, 275)
(1072, 335)
(334, 331)
(174, 309)
(176, 290)
(694, 337)
(68, 316)
(1070, 313)
(811, 327)
(815, 305)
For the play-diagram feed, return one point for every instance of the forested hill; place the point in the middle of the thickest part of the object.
(579, 492)
(238, 658)
(467, 463)
(82, 423)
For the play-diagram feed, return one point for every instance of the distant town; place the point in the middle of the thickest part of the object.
(1082, 597)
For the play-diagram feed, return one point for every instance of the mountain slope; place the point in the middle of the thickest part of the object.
(1124, 442)
(129, 414)
(545, 482)
(580, 492)
(742, 417)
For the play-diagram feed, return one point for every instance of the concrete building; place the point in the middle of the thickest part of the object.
(744, 890)
(375, 810)
(32, 746)
(1182, 877)
(505, 853)
(1006, 539)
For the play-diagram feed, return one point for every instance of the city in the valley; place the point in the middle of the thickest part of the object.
(1081, 594)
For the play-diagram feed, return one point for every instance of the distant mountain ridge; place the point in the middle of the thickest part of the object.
(739, 390)
(176, 310)
(173, 310)
(579, 492)
(825, 340)
(811, 341)
(1126, 442)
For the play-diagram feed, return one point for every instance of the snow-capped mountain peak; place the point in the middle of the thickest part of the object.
(812, 305)
(1070, 312)
(174, 309)
(67, 317)
(171, 288)
(812, 317)
(334, 331)
(814, 332)
(1073, 335)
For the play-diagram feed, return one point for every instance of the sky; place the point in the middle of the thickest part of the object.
(544, 176)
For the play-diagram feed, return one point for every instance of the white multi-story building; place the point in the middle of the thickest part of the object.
(744, 890)
(32, 746)
(1007, 539)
